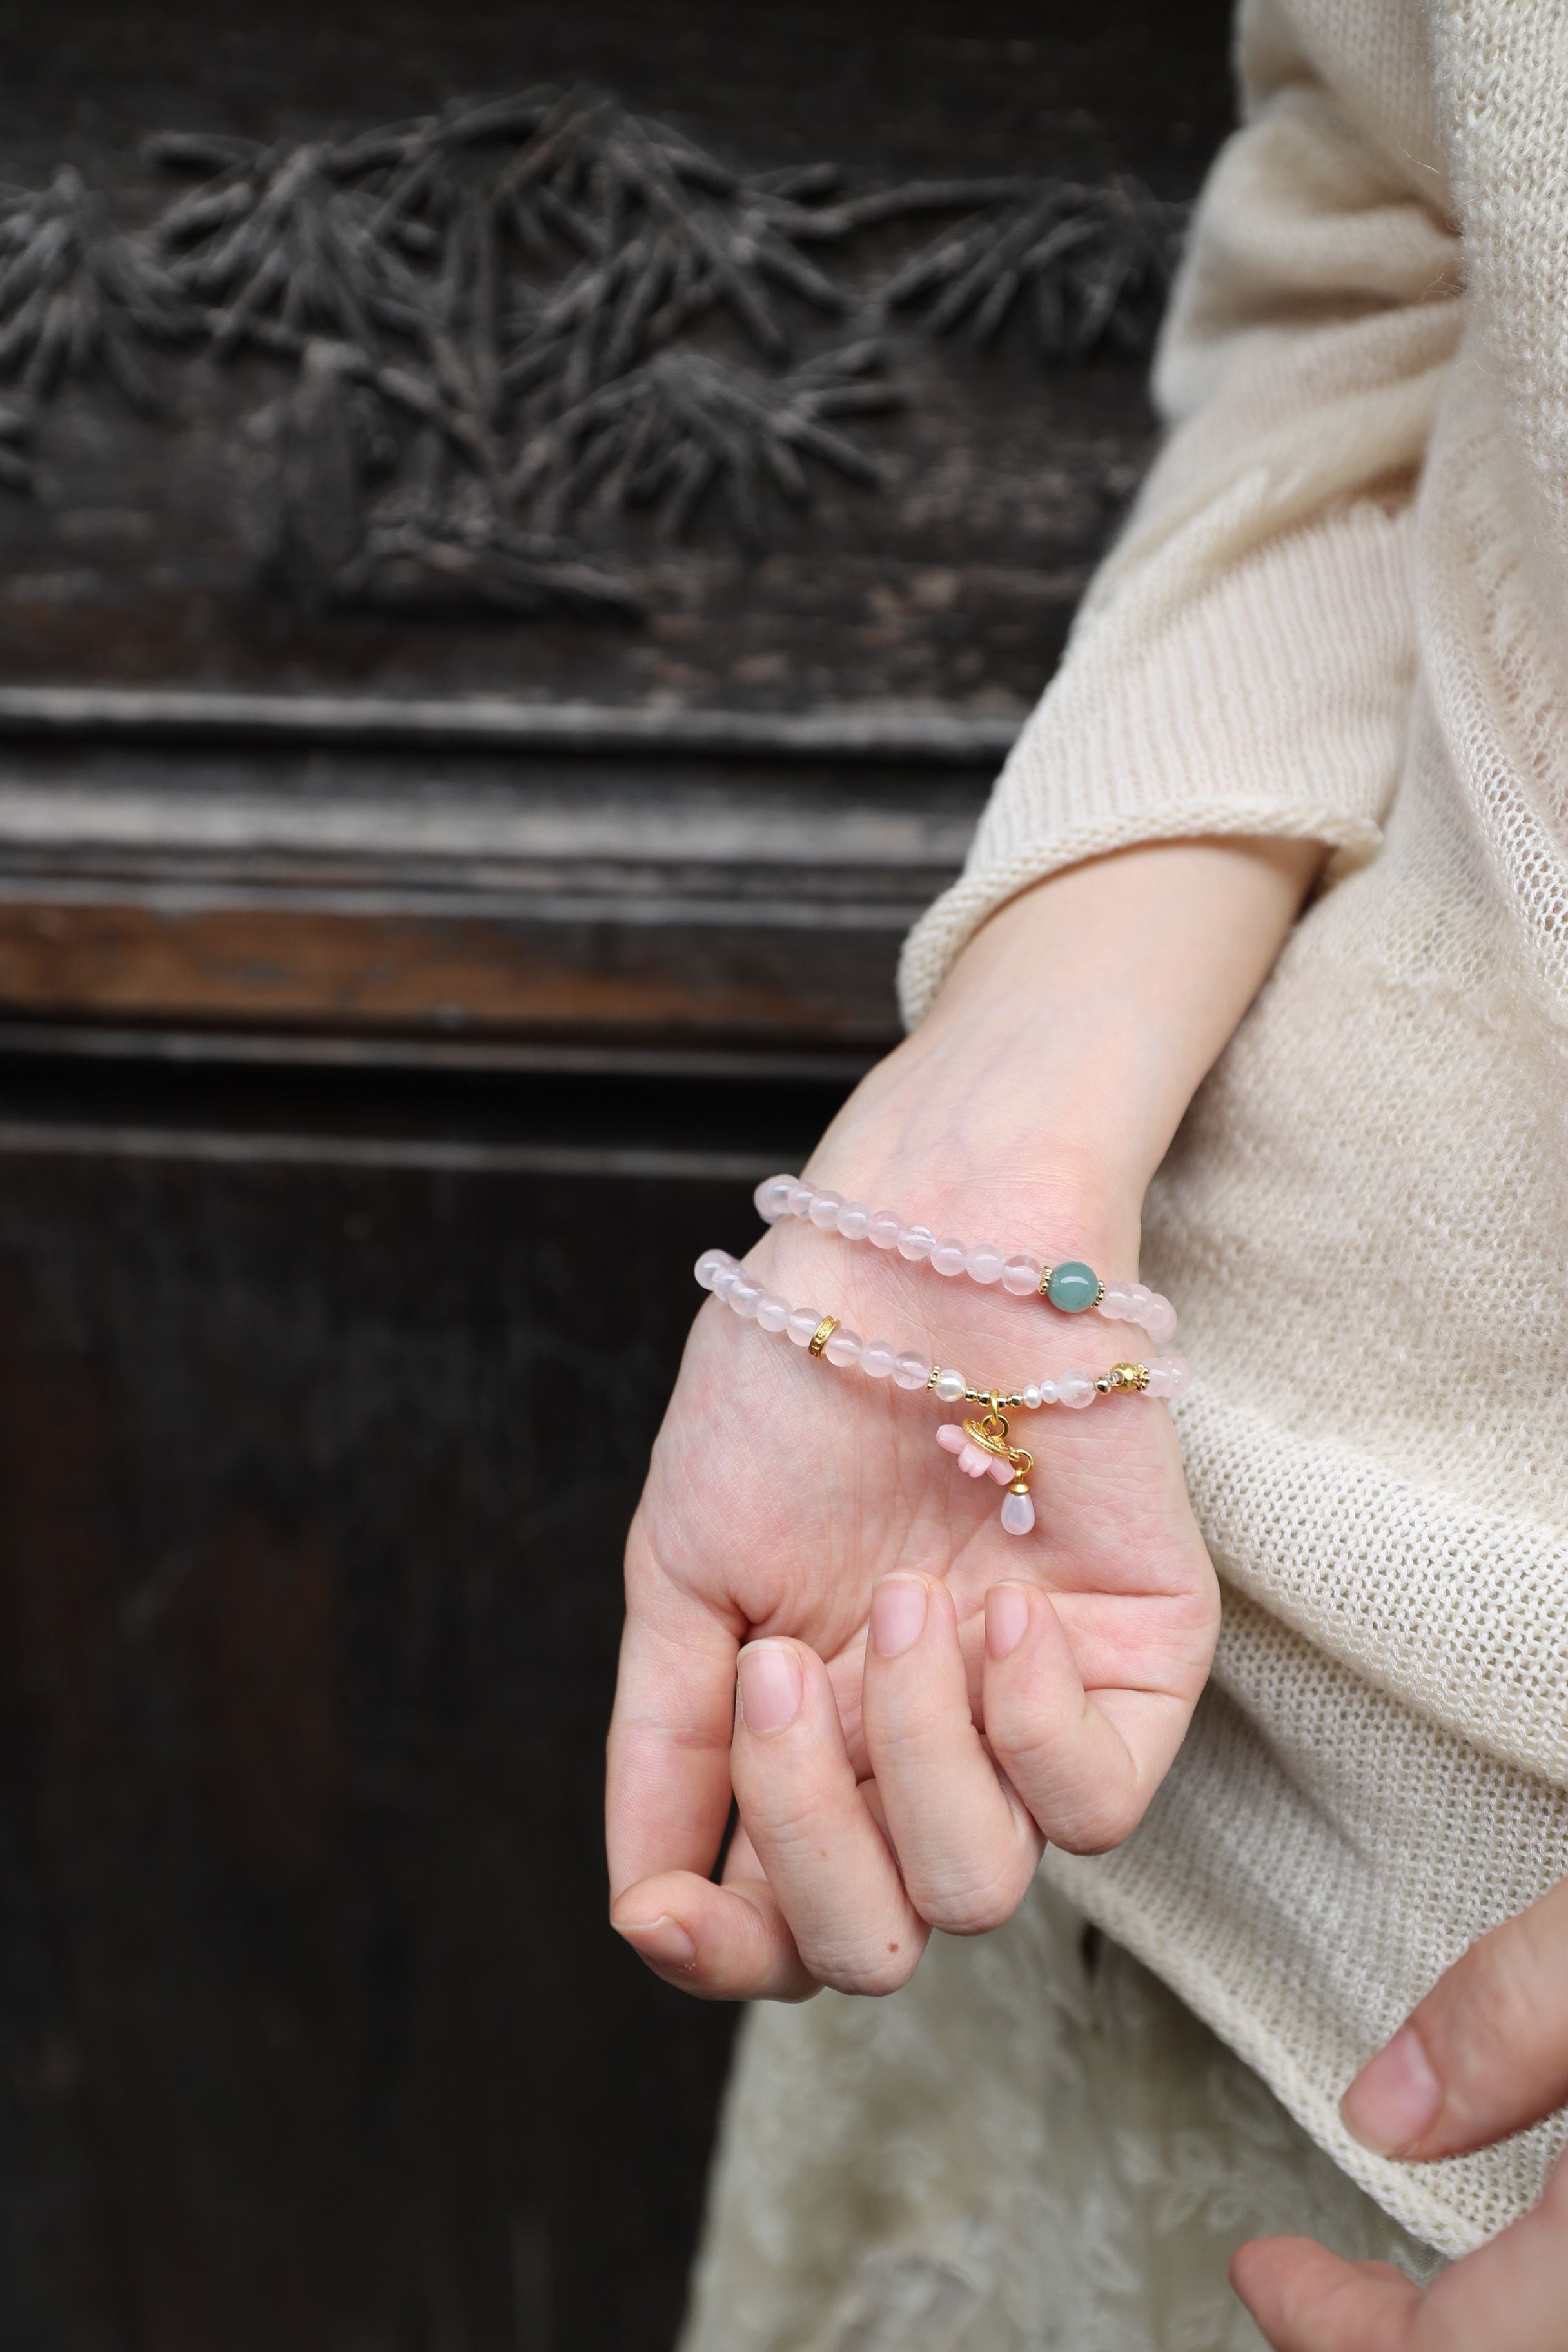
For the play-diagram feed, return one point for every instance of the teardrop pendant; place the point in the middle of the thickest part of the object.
(1017, 1509)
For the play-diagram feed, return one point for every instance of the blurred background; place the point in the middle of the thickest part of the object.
(524, 535)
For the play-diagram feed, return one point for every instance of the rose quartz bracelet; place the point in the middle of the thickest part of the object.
(1071, 1286)
(981, 1445)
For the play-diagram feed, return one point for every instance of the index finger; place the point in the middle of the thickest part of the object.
(668, 1803)
(1485, 2053)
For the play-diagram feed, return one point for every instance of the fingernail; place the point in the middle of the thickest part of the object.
(771, 1687)
(663, 1940)
(1394, 2097)
(1007, 1619)
(897, 1615)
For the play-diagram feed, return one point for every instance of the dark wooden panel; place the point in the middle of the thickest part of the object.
(141, 556)
(316, 1474)
(464, 893)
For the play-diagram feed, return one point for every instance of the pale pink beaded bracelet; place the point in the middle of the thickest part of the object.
(1072, 1286)
(980, 1444)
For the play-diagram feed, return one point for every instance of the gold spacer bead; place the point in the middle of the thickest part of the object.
(1099, 1296)
(1105, 1386)
(933, 1376)
(1045, 1289)
(823, 1333)
(1128, 1376)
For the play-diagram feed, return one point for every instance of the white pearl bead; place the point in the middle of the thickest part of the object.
(710, 1265)
(772, 1312)
(803, 1325)
(948, 1256)
(950, 1386)
(916, 1242)
(1050, 1394)
(844, 1347)
(825, 1211)
(1032, 1395)
(853, 1220)
(1017, 1514)
(911, 1370)
(1021, 1275)
(771, 1198)
(878, 1358)
(984, 1263)
(801, 1199)
(1076, 1388)
(884, 1230)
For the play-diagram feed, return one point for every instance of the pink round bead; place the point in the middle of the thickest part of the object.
(1159, 1319)
(878, 1358)
(1076, 1388)
(984, 1263)
(710, 1265)
(771, 1198)
(1169, 1376)
(844, 1347)
(915, 1243)
(884, 1230)
(803, 1325)
(772, 1312)
(853, 1221)
(801, 1199)
(948, 1256)
(911, 1370)
(825, 1211)
(1021, 1275)
(726, 1279)
(745, 1297)
(1117, 1303)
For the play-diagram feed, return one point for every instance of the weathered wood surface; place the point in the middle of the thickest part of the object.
(948, 589)
(340, 1027)
(317, 1448)
(702, 900)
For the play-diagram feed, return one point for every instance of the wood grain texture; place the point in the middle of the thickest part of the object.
(313, 2032)
(339, 1025)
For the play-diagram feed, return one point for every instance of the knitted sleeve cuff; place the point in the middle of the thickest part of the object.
(1276, 701)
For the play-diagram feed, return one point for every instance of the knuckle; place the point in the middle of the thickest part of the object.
(974, 1913)
(872, 1975)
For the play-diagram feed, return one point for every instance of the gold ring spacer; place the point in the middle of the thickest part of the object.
(823, 1333)
(1045, 1289)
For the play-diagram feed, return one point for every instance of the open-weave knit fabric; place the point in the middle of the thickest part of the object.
(1032, 2147)
(1340, 612)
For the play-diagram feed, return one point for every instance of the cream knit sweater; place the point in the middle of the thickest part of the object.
(1339, 611)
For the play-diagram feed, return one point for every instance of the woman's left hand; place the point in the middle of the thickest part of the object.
(1483, 2055)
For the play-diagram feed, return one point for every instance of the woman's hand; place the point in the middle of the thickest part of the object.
(790, 1503)
(1483, 2055)
(1010, 1690)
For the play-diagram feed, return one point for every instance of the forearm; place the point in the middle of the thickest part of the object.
(1059, 1059)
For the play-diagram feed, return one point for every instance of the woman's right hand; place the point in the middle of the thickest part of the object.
(924, 1699)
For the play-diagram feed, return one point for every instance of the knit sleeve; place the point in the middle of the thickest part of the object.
(1244, 658)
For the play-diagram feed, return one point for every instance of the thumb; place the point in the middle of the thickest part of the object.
(1484, 2055)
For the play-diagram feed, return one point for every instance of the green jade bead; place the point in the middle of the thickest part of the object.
(1073, 1287)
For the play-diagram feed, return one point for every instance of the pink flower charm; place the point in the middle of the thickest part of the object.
(973, 1460)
